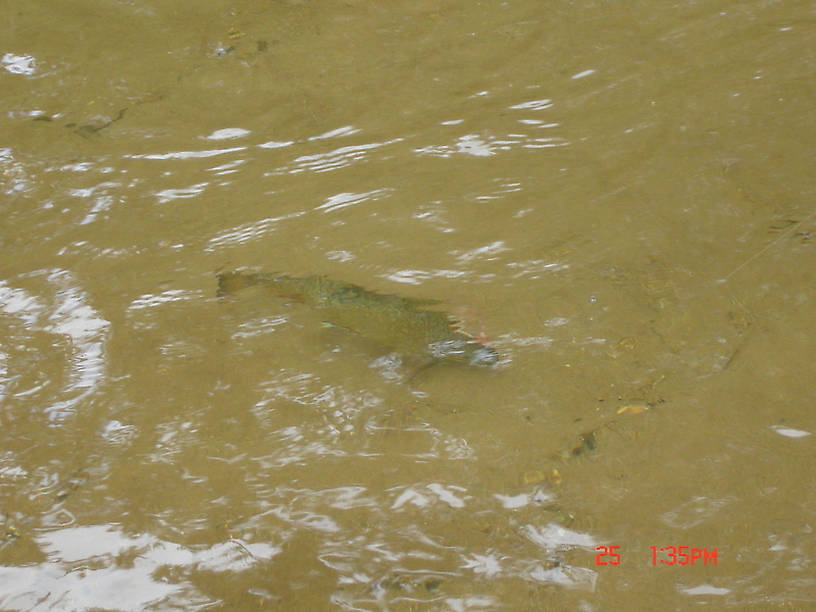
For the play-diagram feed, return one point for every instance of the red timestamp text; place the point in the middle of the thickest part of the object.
(683, 555)
(666, 555)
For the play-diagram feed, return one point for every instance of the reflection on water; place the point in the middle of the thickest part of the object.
(333, 160)
(102, 567)
(75, 351)
(620, 203)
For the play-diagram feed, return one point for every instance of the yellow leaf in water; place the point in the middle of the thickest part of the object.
(633, 409)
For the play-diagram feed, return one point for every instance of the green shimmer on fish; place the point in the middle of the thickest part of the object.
(405, 325)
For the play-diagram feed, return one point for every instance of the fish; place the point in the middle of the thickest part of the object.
(409, 326)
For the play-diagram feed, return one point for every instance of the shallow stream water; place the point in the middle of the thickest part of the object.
(619, 198)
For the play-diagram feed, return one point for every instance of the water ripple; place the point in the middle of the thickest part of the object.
(185, 154)
(168, 195)
(333, 160)
(478, 146)
(248, 231)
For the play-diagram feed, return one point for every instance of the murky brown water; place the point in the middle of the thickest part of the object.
(621, 199)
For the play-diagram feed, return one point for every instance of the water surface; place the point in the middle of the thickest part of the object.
(619, 199)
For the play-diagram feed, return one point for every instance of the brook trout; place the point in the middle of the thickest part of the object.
(406, 325)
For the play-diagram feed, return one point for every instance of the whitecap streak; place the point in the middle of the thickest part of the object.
(535, 105)
(228, 134)
(275, 144)
(228, 168)
(347, 130)
(582, 74)
(344, 200)
(485, 253)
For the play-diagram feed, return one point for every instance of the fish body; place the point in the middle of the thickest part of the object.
(407, 325)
